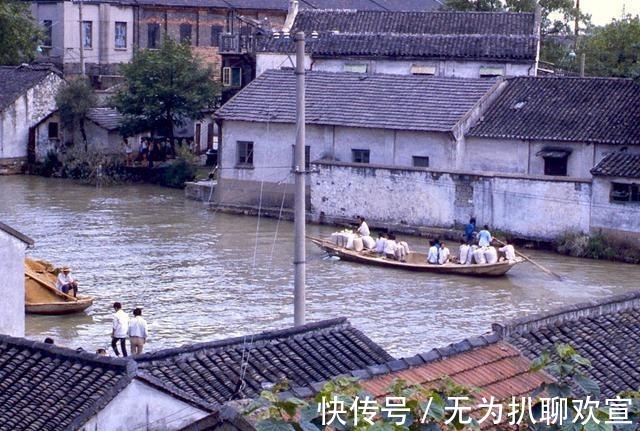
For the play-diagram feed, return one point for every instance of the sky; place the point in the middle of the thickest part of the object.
(603, 11)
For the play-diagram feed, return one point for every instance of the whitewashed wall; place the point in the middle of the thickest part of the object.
(11, 285)
(618, 218)
(526, 206)
(140, 406)
(448, 68)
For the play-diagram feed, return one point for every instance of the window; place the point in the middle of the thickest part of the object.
(356, 68)
(307, 157)
(417, 69)
(87, 34)
(185, 33)
(153, 35)
(555, 161)
(245, 153)
(53, 130)
(121, 35)
(488, 72)
(232, 77)
(421, 161)
(621, 192)
(360, 156)
(216, 30)
(47, 33)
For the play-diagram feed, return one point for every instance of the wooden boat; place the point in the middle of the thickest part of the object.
(41, 295)
(415, 261)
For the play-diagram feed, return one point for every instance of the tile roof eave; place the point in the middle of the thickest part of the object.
(344, 124)
(22, 237)
(175, 392)
(521, 60)
(550, 139)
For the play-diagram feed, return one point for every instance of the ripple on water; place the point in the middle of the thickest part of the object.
(203, 276)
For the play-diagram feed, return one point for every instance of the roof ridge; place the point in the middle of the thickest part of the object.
(591, 309)
(261, 336)
(17, 234)
(127, 365)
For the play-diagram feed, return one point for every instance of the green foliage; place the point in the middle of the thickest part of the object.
(164, 87)
(49, 166)
(474, 5)
(18, 35)
(597, 246)
(183, 169)
(74, 102)
(426, 408)
(614, 50)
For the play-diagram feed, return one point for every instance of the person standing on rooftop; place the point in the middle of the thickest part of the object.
(120, 329)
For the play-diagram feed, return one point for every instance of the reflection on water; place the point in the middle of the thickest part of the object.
(202, 275)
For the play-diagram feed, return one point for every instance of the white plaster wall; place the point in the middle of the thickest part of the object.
(496, 155)
(27, 111)
(529, 207)
(140, 406)
(624, 217)
(43, 143)
(11, 285)
(118, 13)
(71, 43)
(439, 147)
(268, 61)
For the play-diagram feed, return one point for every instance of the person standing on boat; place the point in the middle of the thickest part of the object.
(469, 229)
(363, 228)
(137, 332)
(484, 237)
(120, 329)
(66, 282)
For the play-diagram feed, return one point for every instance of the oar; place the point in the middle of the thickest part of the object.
(528, 259)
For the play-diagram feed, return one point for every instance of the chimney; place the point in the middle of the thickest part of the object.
(291, 15)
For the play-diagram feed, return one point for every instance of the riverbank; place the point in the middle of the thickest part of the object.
(597, 246)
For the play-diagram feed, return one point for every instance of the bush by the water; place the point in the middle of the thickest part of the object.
(597, 246)
(182, 169)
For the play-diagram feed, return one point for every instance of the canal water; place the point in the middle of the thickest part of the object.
(202, 275)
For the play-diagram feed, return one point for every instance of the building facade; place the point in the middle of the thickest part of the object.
(27, 96)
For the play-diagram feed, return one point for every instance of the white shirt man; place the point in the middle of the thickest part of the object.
(65, 282)
(363, 229)
(432, 257)
(444, 255)
(120, 329)
(484, 237)
(380, 243)
(390, 248)
(509, 252)
(137, 332)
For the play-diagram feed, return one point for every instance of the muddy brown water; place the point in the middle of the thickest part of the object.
(202, 275)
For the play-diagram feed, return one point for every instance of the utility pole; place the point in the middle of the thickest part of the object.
(576, 28)
(299, 201)
(82, 71)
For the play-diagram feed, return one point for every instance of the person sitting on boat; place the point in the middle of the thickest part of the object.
(402, 251)
(66, 282)
(444, 254)
(484, 237)
(363, 228)
(464, 255)
(432, 256)
(380, 243)
(509, 252)
(469, 229)
(390, 247)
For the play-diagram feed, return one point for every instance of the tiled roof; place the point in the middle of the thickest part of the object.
(587, 110)
(45, 387)
(107, 118)
(388, 5)
(16, 80)
(604, 332)
(400, 102)
(620, 164)
(283, 5)
(11, 231)
(418, 46)
(311, 353)
(462, 23)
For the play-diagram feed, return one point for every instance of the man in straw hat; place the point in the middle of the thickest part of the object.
(66, 282)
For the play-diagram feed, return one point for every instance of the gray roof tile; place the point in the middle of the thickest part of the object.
(304, 355)
(357, 100)
(620, 164)
(107, 118)
(586, 110)
(15, 80)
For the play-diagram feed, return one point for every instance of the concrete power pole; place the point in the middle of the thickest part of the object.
(82, 71)
(299, 202)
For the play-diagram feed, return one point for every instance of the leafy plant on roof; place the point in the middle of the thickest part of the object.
(344, 405)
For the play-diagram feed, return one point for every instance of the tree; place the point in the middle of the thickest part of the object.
(19, 35)
(614, 50)
(74, 101)
(164, 88)
(474, 5)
